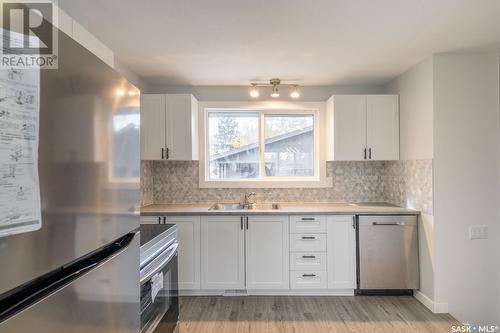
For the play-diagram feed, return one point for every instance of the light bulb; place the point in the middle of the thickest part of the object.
(275, 93)
(254, 91)
(132, 93)
(120, 92)
(295, 92)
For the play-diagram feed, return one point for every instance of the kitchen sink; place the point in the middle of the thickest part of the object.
(221, 206)
(253, 206)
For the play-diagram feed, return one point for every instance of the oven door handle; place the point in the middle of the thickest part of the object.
(157, 267)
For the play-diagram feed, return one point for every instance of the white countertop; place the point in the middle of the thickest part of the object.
(285, 209)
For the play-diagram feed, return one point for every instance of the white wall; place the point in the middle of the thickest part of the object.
(241, 93)
(415, 89)
(466, 185)
(132, 77)
(416, 109)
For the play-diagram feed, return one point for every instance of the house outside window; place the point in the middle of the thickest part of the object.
(259, 147)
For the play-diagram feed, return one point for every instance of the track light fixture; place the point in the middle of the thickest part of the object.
(254, 91)
(274, 83)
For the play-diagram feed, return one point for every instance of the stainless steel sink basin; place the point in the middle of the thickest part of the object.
(254, 206)
(223, 206)
(264, 206)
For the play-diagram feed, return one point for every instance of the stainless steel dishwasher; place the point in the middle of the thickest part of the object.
(387, 250)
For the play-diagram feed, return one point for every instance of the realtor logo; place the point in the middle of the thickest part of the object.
(29, 38)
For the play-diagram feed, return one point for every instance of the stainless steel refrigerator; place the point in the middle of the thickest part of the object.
(79, 272)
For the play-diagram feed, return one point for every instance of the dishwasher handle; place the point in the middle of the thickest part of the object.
(388, 223)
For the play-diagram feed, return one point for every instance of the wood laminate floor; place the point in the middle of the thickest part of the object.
(308, 314)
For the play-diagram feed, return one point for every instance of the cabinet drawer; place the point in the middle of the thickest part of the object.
(303, 261)
(308, 242)
(307, 224)
(308, 280)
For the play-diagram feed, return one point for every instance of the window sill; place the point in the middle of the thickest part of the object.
(239, 183)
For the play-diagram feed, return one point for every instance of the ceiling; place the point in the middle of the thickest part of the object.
(311, 42)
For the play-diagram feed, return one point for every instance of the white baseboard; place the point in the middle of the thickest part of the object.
(435, 307)
(284, 292)
(297, 292)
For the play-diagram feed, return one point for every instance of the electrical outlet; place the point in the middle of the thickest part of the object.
(478, 232)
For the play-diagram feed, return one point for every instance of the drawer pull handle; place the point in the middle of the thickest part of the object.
(308, 275)
(309, 257)
(308, 219)
(308, 237)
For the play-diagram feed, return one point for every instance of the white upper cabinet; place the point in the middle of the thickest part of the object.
(363, 127)
(267, 264)
(382, 130)
(347, 127)
(169, 127)
(182, 127)
(152, 127)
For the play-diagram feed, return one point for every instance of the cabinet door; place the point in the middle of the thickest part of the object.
(267, 262)
(188, 236)
(341, 252)
(152, 126)
(382, 134)
(181, 127)
(222, 252)
(349, 127)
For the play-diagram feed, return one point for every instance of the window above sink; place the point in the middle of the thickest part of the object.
(249, 145)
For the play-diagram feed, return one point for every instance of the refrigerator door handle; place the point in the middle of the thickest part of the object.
(30, 293)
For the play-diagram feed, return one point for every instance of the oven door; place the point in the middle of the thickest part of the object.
(159, 293)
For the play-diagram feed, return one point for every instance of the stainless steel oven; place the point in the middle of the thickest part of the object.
(159, 281)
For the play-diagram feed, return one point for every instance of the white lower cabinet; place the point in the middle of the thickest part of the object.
(308, 242)
(222, 252)
(264, 253)
(267, 265)
(308, 279)
(307, 261)
(341, 251)
(188, 236)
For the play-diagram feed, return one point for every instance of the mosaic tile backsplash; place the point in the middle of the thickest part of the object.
(409, 184)
(405, 183)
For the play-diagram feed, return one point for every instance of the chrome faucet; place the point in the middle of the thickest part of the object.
(247, 201)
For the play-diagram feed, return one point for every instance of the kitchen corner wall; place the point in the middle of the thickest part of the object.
(408, 183)
(404, 183)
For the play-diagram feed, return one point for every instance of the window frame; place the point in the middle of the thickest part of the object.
(270, 108)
